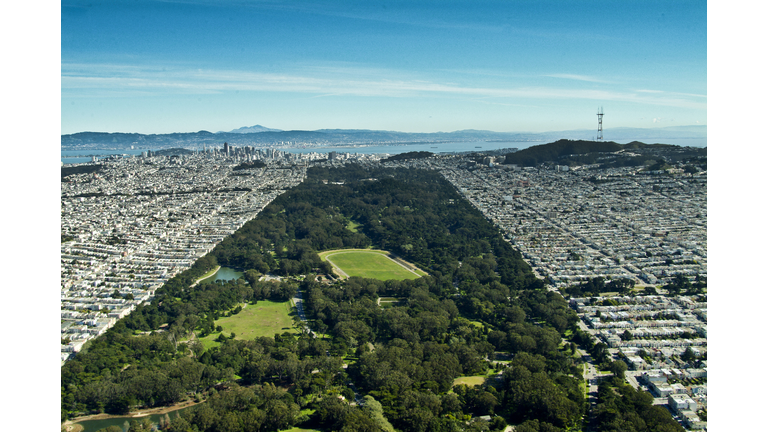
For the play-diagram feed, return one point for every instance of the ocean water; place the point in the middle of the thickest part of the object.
(82, 156)
(448, 147)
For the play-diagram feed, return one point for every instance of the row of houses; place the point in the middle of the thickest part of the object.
(571, 228)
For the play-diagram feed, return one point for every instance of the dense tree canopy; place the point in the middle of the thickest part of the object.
(479, 299)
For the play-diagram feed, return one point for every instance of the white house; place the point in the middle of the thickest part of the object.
(680, 402)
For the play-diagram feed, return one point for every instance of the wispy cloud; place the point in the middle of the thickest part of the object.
(577, 77)
(422, 15)
(325, 82)
(671, 93)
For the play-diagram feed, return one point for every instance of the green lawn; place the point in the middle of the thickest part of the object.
(352, 226)
(368, 264)
(470, 381)
(265, 318)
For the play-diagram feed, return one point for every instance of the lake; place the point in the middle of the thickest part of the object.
(94, 425)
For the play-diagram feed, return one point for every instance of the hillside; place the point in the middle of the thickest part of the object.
(409, 155)
(553, 152)
(608, 153)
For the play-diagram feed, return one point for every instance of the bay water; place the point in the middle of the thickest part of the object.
(81, 156)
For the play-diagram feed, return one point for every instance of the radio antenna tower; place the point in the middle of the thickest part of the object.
(600, 124)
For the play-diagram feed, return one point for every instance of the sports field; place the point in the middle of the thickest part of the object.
(371, 264)
(265, 318)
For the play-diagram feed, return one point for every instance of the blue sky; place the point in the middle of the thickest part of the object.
(529, 66)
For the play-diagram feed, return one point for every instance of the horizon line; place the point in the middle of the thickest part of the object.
(378, 130)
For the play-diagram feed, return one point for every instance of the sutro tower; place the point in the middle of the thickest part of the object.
(600, 123)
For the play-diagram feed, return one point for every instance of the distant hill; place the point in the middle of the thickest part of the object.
(579, 152)
(176, 151)
(249, 165)
(82, 169)
(409, 155)
(552, 152)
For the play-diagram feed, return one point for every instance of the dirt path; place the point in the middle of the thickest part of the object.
(68, 426)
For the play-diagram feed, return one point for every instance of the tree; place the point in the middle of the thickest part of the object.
(498, 423)
(600, 352)
(252, 276)
(688, 355)
(143, 425)
(111, 428)
(618, 368)
(374, 410)
(536, 426)
(330, 413)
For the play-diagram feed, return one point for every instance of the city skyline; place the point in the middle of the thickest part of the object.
(165, 66)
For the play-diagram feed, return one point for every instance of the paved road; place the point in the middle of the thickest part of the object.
(298, 301)
(358, 398)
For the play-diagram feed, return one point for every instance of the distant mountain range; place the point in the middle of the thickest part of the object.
(262, 136)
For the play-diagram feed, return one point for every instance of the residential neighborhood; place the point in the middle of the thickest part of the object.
(138, 221)
(663, 341)
(574, 224)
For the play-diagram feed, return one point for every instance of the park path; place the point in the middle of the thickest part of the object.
(397, 260)
(205, 277)
(336, 268)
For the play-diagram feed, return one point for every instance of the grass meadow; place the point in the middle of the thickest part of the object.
(265, 318)
(470, 381)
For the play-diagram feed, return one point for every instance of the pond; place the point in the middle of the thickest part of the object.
(94, 425)
(224, 274)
